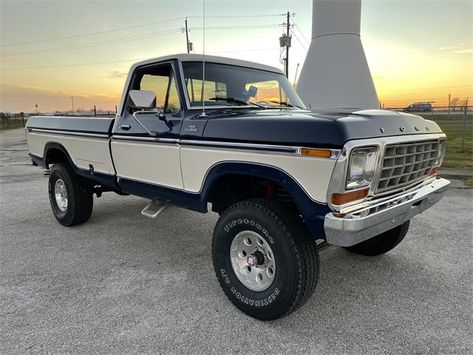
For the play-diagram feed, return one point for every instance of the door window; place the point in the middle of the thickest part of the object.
(161, 80)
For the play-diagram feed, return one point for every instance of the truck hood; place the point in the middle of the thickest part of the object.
(311, 128)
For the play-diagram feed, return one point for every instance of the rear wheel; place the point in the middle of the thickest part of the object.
(265, 260)
(71, 200)
(382, 243)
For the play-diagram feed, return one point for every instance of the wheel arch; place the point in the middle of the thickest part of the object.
(312, 212)
(54, 153)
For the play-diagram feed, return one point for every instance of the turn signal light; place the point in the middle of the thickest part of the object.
(321, 153)
(434, 171)
(341, 199)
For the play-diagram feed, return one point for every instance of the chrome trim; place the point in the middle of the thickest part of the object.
(279, 148)
(337, 182)
(145, 139)
(67, 133)
(270, 147)
(231, 145)
(378, 216)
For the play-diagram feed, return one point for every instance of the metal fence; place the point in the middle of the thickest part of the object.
(443, 110)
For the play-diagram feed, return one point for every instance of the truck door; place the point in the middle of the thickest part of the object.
(143, 160)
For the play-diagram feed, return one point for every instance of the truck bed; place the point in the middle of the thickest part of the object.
(84, 139)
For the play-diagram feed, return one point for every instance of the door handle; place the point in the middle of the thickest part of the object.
(125, 127)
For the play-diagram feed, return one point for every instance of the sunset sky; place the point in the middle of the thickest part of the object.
(51, 50)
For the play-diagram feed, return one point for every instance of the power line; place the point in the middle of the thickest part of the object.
(128, 27)
(73, 65)
(248, 27)
(298, 40)
(246, 50)
(300, 32)
(127, 39)
(92, 44)
(125, 60)
(241, 16)
(90, 33)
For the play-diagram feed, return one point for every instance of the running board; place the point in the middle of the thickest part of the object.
(153, 209)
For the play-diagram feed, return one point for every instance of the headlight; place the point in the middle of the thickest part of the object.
(361, 167)
(441, 155)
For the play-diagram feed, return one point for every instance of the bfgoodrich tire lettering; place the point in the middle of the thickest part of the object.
(79, 196)
(295, 255)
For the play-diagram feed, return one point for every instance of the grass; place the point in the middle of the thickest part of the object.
(469, 182)
(454, 128)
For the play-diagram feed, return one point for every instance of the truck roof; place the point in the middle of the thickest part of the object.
(185, 57)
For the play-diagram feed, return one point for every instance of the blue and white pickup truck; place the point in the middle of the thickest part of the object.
(239, 139)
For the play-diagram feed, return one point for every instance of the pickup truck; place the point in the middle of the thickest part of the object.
(284, 180)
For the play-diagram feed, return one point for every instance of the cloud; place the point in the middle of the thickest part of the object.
(465, 51)
(458, 48)
(116, 74)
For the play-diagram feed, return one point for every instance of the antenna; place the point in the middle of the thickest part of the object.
(203, 59)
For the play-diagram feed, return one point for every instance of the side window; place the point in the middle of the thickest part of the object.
(158, 84)
(160, 79)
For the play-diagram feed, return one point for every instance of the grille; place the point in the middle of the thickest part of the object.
(406, 163)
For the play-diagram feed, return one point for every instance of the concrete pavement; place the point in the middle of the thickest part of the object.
(124, 283)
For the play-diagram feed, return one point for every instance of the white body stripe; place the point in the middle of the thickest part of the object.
(182, 167)
(82, 150)
(156, 163)
(312, 174)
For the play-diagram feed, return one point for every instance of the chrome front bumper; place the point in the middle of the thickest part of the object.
(374, 217)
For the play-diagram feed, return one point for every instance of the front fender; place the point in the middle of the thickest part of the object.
(312, 212)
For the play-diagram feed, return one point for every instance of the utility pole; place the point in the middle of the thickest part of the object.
(465, 111)
(72, 100)
(449, 95)
(285, 42)
(288, 44)
(188, 44)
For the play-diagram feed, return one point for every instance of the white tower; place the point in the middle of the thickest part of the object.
(335, 75)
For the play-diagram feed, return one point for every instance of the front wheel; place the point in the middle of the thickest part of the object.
(265, 260)
(71, 200)
(381, 243)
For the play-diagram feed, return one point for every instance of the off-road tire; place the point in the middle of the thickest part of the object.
(79, 196)
(381, 243)
(295, 252)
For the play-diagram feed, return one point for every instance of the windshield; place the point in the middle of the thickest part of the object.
(230, 85)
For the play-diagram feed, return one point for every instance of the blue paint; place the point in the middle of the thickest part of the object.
(71, 124)
(312, 212)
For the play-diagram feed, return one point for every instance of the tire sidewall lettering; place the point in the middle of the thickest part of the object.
(248, 222)
(251, 301)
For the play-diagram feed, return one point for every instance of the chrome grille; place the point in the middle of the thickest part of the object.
(406, 163)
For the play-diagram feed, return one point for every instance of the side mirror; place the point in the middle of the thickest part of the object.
(251, 92)
(141, 99)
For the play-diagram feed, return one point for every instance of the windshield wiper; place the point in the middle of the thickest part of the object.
(284, 103)
(236, 101)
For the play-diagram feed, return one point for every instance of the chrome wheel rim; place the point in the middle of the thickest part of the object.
(252, 260)
(60, 194)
